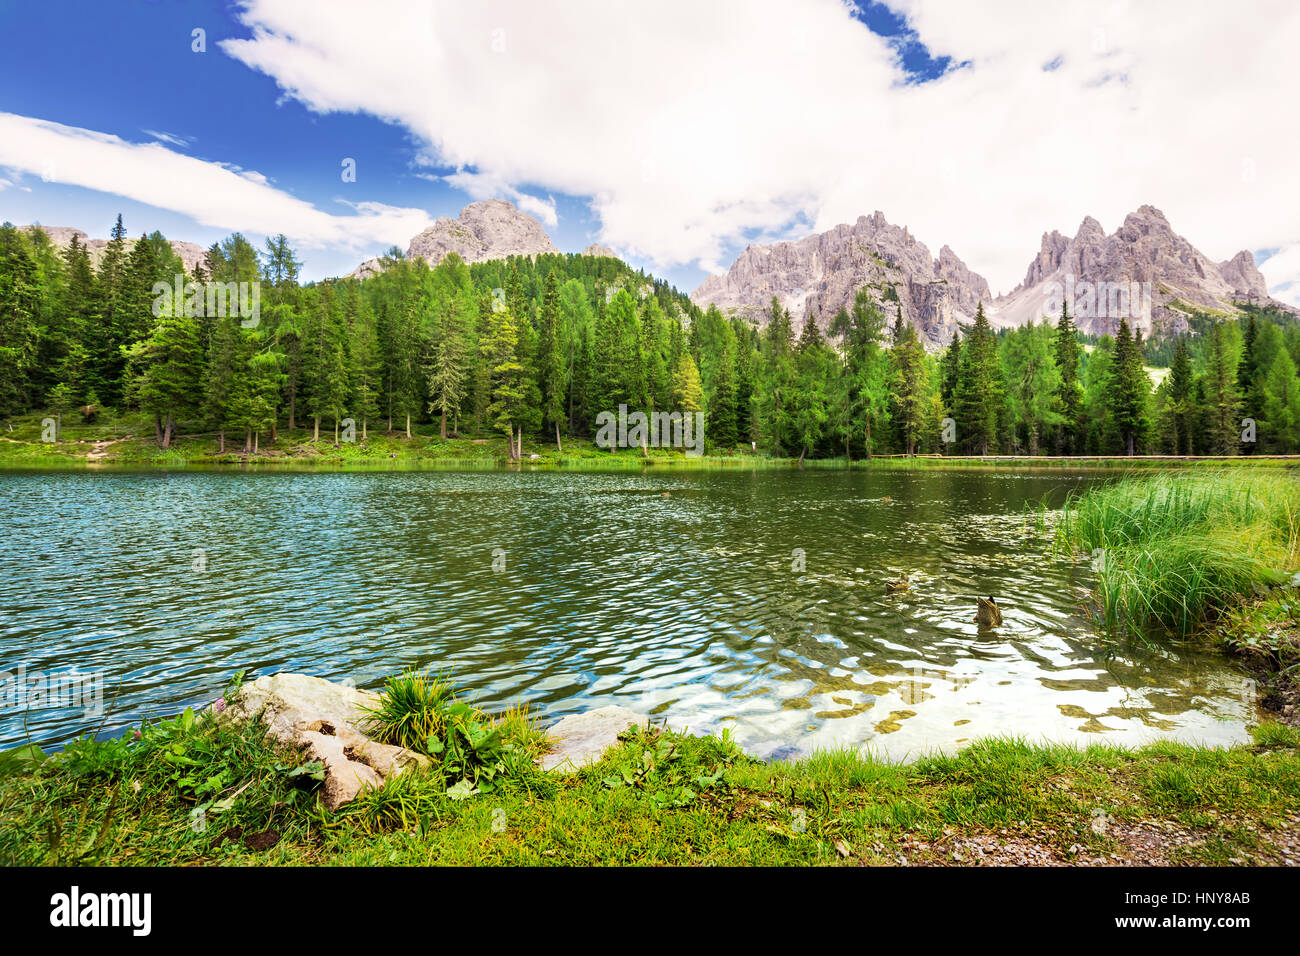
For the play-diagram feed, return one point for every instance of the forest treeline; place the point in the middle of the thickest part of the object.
(540, 346)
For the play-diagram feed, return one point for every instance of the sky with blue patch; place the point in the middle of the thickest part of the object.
(129, 69)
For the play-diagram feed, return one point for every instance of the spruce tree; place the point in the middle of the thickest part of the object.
(978, 395)
(908, 385)
(1069, 392)
(1130, 392)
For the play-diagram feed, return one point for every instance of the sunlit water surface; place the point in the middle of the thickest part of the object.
(749, 600)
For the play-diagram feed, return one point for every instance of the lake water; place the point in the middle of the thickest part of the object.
(746, 599)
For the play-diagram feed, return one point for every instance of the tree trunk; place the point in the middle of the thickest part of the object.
(336, 430)
(158, 430)
(363, 431)
(248, 440)
(255, 436)
(442, 428)
(558, 447)
(221, 441)
(408, 424)
(316, 429)
(293, 401)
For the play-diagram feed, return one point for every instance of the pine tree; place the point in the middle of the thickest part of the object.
(864, 395)
(1178, 405)
(448, 368)
(1033, 384)
(1223, 400)
(688, 393)
(19, 316)
(1069, 393)
(500, 348)
(221, 375)
(1130, 392)
(550, 358)
(1281, 405)
(365, 371)
(978, 395)
(908, 385)
(164, 372)
(812, 400)
(776, 388)
(255, 397)
(110, 331)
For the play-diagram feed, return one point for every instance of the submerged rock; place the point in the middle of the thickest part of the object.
(327, 721)
(581, 739)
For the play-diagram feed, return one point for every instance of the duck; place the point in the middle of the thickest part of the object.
(987, 612)
(901, 583)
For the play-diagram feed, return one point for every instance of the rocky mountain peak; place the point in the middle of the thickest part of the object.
(489, 229)
(816, 276)
(1143, 272)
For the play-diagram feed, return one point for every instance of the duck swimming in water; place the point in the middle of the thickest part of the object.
(898, 584)
(987, 613)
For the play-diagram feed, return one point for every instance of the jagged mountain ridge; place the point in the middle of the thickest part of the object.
(1172, 277)
(821, 273)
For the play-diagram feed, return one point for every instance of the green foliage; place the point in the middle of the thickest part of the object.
(666, 768)
(539, 346)
(474, 753)
(1174, 550)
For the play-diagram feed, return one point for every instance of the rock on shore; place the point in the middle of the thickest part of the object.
(328, 721)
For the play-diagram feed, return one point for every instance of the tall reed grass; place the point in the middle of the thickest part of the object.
(1175, 549)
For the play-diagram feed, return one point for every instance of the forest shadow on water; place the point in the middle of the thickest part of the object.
(756, 600)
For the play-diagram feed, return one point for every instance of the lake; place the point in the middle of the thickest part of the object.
(753, 600)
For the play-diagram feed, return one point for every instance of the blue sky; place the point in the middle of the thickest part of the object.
(676, 135)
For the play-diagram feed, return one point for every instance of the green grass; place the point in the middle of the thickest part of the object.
(1175, 551)
(473, 753)
(131, 438)
(195, 791)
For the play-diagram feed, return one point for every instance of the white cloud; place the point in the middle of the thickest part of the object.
(213, 194)
(487, 186)
(1282, 272)
(173, 139)
(692, 125)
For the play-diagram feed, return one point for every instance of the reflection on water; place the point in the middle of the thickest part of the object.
(754, 600)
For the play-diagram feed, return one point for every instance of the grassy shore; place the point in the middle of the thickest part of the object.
(658, 797)
(128, 440)
(1213, 556)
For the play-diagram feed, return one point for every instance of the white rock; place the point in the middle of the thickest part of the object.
(328, 721)
(582, 739)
